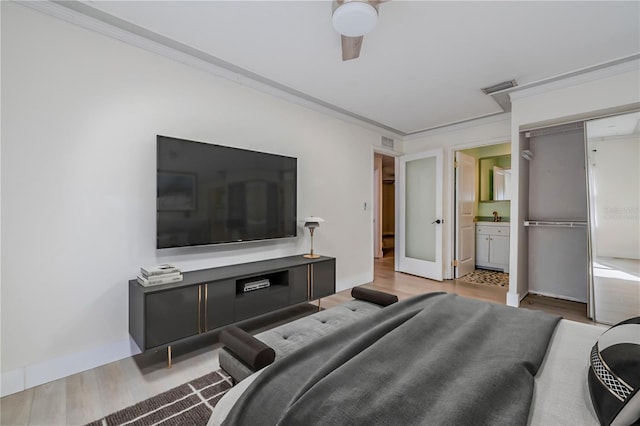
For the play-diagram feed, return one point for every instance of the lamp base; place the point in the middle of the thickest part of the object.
(311, 256)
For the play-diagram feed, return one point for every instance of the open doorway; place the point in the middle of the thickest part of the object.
(482, 208)
(384, 221)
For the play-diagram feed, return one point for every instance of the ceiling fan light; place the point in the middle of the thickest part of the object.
(354, 18)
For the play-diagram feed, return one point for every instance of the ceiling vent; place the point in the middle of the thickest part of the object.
(497, 92)
(499, 87)
(388, 142)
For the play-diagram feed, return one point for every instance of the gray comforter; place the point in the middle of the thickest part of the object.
(436, 359)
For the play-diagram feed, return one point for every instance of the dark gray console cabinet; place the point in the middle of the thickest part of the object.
(212, 298)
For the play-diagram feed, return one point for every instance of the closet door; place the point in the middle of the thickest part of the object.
(613, 147)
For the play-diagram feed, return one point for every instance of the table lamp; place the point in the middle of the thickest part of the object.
(312, 222)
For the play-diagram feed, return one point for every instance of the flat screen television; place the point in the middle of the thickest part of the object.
(213, 194)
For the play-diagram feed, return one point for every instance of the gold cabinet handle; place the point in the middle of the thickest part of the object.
(206, 304)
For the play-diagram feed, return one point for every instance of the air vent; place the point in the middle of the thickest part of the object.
(388, 142)
(499, 87)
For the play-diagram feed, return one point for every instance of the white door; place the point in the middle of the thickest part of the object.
(465, 213)
(419, 213)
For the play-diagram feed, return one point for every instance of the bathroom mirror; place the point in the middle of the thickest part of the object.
(495, 178)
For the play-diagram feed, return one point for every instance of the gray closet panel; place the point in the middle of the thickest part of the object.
(558, 256)
(557, 175)
(559, 262)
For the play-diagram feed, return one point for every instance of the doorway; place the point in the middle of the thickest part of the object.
(384, 221)
(482, 206)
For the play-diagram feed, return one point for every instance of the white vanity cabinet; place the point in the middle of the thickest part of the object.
(492, 245)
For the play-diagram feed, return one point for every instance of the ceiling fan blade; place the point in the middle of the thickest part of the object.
(351, 47)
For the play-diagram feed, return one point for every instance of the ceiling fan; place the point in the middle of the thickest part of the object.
(353, 19)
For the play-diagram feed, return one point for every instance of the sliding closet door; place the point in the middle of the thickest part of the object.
(613, 147)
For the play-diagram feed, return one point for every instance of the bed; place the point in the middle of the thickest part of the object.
(432, 359)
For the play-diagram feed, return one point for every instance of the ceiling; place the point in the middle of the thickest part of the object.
(619, 125)
(423, 65)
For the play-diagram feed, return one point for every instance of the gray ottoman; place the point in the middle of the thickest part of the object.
(244, 354)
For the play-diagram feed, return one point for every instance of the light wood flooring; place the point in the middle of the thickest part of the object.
(93, 394)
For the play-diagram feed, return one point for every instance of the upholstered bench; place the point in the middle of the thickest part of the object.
(244, 354)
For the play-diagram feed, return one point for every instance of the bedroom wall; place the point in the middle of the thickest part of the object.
(589, 95)
(603, 91)
(489, 131)
(79, 119)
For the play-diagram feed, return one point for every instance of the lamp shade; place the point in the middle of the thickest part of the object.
(354, 18)
(312, 221)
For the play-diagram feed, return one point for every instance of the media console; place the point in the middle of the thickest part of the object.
(208, 299)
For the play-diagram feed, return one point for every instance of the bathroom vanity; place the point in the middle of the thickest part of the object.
(492, 246)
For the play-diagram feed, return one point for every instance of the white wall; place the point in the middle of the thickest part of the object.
(480, 132)
(79, 119)
(578, 98)
(581, 97)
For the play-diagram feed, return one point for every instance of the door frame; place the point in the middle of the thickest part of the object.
(377, 149)
(449, 254)
(377, 212)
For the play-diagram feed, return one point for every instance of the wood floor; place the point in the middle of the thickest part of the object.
(404, 286)
(93, 394)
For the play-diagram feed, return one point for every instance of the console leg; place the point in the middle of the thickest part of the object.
(168, 356)
(319, 309)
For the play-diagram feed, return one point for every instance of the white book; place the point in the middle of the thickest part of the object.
(165, 268)
(160, 279)
(163, 276)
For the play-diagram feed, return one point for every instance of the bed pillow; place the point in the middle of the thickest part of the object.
(374, 296)
(614, 374)
(246, 347)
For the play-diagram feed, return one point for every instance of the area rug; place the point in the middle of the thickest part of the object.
(188, 404)
(484, 277)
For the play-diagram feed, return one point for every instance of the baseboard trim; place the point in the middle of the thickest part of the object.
(12, 382)
(513, 299)
(557, 296)
(56, 368)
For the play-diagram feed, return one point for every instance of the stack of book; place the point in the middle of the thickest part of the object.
(161, 274)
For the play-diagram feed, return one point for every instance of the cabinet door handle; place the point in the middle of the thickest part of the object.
(206, 305)
(199, 307)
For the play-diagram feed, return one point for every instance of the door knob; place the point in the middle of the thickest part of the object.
(438, 221)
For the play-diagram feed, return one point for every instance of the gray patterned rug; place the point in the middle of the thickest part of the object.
(484, 277)
(188, 404)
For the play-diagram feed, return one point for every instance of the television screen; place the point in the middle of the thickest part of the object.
(212, 194)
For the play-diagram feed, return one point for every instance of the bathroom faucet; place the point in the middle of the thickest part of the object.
(496, 218)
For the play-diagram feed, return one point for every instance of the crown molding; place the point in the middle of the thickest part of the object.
(88, 17)
(85, 16)
(583, 75)
(472, 122)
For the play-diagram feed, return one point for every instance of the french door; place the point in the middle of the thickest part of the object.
(419, 213)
